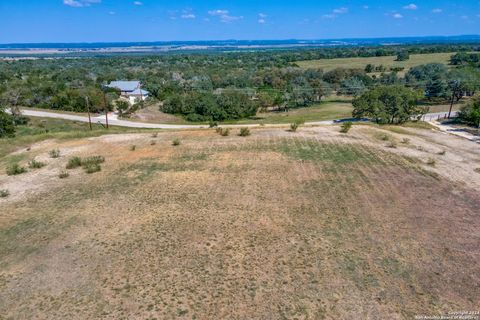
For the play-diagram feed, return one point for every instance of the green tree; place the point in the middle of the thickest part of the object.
(352, 87)
(7, 124)
(122, 106)
(471, 113)
(388, 104)
(403, 55)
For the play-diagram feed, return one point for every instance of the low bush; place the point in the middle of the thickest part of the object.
(55, 153)
(477, 170)
(405, 141)
(442, 153)
(155, 134)
(92, 160)
(74, 162)
(133, 148)
(15, 169)
(293, 127)
(391, 144)
(223, 132)
(176, 142)
(64, 174)
(244, 132)
(34, 164)
(212, 124)
(92, 168)
(152, 143)
(346, 126)
(431, 162)
(4, 193)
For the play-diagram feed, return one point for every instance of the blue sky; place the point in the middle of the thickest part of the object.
(159, 20)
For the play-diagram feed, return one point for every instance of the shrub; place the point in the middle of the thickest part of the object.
(152, 143)
(384, 137)
(391, 144)
(74, 162)
(346, 126)
(64, 174)
(155, 134)
(15, 169)
(92, 168)
(34, 164)
(431, 162)
(55, 153)
(4, 193)
(293, 127)
(132, 148)
(442, 153)
(477, 170)
(244, 132)
(212, 124)
(176, 142)
(92, 160)
(405, 141)
(223, 132)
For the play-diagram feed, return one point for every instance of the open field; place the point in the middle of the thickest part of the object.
(361, 63)
(350, 229)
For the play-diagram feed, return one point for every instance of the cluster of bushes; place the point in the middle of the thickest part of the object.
(90, 164)
(471, 113)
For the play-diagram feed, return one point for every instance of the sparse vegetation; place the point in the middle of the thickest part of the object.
(4, 193)
(15, 169)
(152, 143)
(392, 144)
(92, 168)
(176, 142)
(431, 162)
(63, 174)
(244, 132)
(442, 153)
(133, 148)
(155, 134)
(34, 164)
(346, 126)
(55, 153)
(224, 132)
(405, 141)
(74, 162)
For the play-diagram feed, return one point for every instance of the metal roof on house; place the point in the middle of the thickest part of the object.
(125, 85)
(139, 92)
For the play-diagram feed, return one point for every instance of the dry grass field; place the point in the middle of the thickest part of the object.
(378, 223)
(361, 63)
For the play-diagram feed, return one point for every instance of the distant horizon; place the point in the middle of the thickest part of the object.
(453, 38)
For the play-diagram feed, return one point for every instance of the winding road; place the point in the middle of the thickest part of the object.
(114, 121)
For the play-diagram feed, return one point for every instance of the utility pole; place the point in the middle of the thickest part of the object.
(105, 105)
(88, 110)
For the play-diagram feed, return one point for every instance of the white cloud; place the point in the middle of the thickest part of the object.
(464, 17)
(138, 3)
(262, 18)
(188, 16)
(329, 16)
(262, 21)
(437, 10)
(340, 10)
(80, 3)
(397, 16)
(224, 15)
(411, 6)
(366, 7)
(262, 15)
(111, 13)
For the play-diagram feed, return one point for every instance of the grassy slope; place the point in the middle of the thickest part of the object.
(343, 232)
(360, 63)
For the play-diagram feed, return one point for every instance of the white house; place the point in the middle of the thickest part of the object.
(132, 90)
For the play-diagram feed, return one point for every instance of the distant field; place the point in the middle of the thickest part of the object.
(360, 63)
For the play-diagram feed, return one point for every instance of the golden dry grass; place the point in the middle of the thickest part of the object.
(279, 225)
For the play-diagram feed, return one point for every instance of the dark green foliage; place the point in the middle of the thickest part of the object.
(346, 126)
(388, 104)
(4, 193)
(34, 164)
(244, 132)
(7, 124)
(403, 55)
(93, 160)
(74, 162)
(471, 113)
(15, 169)
(293, 127)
